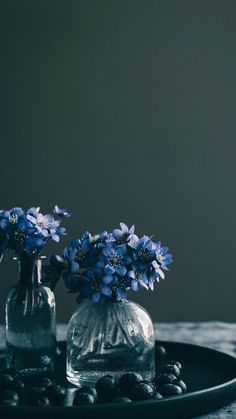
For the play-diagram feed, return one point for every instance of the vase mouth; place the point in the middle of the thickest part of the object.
(107, 301)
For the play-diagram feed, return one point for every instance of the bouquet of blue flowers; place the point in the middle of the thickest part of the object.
(107, 265)
(29, 231)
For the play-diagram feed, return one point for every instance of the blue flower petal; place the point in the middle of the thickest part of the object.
(55, 237)
(132, 229)
(31, 219)
(109, 269)
(148, 245)
(107, 279)
(121, 270)
(124, 228)
(74, 266)
(134, 285)
(61, 212)
(96, 296)
(151, 285)
(122, 249)
(131, 274)
(143, 284)
(106, 291)
(127, 260)
(121, 292)
(107, 252)
(117, 234)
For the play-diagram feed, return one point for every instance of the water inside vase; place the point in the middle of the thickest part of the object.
(31, 331)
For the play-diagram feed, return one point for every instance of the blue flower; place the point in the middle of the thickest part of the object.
(98, 284)
(81, 247)
(9, 219)
(120, 287)
(99, 241)
(33, 244)
(71, 262)
(27, 231)
(19, 235)
(107, 265)
(61, 212)
(115, 259)
(45, 224)
(66, 267)
(33, 211)
(124, 234)
(144, 252)
(138, 279)
(57, 232)
(163, 257)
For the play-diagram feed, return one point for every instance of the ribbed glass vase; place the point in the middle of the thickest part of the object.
(30, 321)
(110, 338)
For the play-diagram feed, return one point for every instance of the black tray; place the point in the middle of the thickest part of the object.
(210, 376)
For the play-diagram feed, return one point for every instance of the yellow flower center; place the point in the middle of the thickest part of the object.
(42, 221)
(13, 219)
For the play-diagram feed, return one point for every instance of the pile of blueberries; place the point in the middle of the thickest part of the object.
(42, 393)
(130, 387)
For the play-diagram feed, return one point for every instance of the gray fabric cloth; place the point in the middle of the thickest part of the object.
(216, 335)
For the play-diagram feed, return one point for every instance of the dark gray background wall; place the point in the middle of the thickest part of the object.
(124, 110)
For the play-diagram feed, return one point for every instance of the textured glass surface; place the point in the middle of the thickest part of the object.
(110, 338)
(30, 324)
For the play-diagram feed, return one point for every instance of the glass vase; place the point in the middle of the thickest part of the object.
(110, 338)
(30, 321)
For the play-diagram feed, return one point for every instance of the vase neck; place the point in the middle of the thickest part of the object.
(29, 269)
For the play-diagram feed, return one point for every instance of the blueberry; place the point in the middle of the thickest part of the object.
(89, 390)
(42, 401)
(10, 396)
(156, 396)
(160, 352)
(35, 393)
(6, 381)
(82, 399)
(170, 390)
(18, 386)
(11, 371)
(165, 379)
(171, 369)
(43, 382)
(129, 380)
(106, 388)
(150, 383)
(141, 391)
(177, 363)
(121, 400)
(181, 384)
(56, 393)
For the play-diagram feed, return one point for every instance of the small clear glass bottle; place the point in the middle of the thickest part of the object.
(110, 338)
(30, 321)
